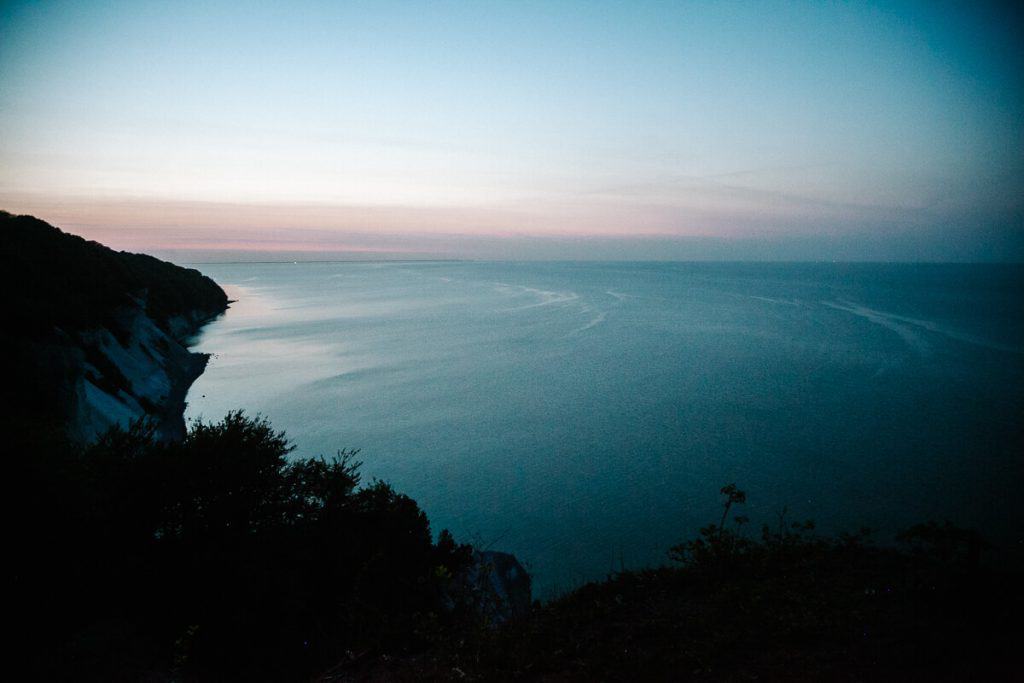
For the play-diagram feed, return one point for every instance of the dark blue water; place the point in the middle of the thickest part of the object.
(585, 415)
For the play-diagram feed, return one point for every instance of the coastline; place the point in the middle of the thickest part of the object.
(171, 419)
(136, 370)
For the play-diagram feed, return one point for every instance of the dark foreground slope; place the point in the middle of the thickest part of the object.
(220, 557)
(217, 557)
(95, 337)
(788, 606)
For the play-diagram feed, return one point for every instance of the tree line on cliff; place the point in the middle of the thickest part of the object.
(54, 279)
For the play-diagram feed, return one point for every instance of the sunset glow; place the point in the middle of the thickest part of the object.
(883, 130)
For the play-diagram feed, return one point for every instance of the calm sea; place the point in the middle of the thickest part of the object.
(584, 415)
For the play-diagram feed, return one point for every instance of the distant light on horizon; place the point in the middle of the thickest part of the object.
(535, 130)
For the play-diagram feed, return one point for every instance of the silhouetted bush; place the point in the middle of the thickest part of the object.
(789, 605)
(215, 557)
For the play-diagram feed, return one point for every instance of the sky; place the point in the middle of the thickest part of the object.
(550, 130)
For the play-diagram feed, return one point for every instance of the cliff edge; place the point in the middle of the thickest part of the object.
(97, 337)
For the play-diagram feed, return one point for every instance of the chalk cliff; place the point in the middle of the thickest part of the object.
(97, 337)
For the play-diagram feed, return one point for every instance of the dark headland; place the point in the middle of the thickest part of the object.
(145, 551)
(96, 337)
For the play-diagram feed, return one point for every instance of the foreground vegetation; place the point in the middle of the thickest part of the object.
(214, 558)
(783, 605)
(220, 558)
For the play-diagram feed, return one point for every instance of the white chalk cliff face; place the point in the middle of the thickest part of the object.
(96, 337)
(137, 370)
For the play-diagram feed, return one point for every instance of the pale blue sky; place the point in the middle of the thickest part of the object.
(854, 130)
